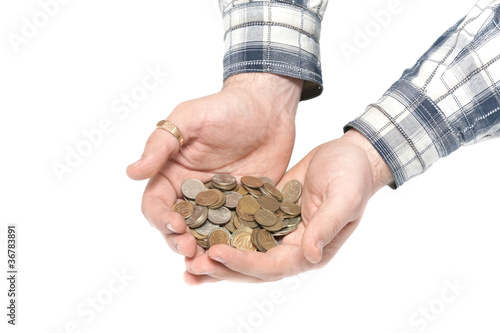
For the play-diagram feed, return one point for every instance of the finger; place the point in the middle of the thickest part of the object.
(184, 244)
(277, 263)
(195, 280)
(204, 266)
(160, 147)
(326, 222)
(159, 196)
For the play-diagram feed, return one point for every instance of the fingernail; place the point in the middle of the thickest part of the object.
(169, 227)
(319, 246)
(177, 248)
(219, 259)
(137, 162)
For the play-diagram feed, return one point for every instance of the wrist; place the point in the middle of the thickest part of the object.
(279, 93)
(381, 174)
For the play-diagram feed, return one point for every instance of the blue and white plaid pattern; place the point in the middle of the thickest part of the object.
(280, 37)
(449, 99)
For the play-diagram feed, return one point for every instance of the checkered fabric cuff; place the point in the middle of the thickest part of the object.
(408, 130)
(449, 99)
(275, 37)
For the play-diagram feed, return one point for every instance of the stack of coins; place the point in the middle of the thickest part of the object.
(247, 216)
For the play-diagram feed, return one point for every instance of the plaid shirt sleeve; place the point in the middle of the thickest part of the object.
(279, 36)
(449, 99)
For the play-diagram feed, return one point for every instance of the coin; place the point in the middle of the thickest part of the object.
(265, 218)
(206, 198)
(266, 180)
(286, 231)
(271, 191)
(219, 236)
(203, 243)
(268, 203)
(248, 205)
(232, 199)
(252, 182)
(221, 199)
(224, 182)
(197, 235)
(266, 240)
(205, 228)
(230, 226)
(280, 224)
(292, 221)
(242, 190)
(256, 193)
(247, 216)
(292, 190)
(191, 187)
(184, 208)
(243, 241)
(219, 216)
(198, 217)
(290, 208)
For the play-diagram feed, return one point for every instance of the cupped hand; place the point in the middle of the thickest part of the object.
(338, 179)
(248, 128)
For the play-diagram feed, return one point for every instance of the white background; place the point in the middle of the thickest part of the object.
(73, 234)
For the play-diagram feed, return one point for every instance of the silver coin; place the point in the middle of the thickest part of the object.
(198, 217)
(232, 199)
(286, 231)
(267, 180)
(293, 221)
(219, 216)
(205, 229)
(191, 187)
(292, 190)
(224, 180)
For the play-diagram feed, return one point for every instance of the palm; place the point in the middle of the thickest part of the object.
(337, 177)
(231, 132)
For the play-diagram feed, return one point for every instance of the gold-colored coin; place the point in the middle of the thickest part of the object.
(271, 191)
(290, 208)
(219, 236)
(248, 205)
(206, 198)
(277, 226)
(266, 240)
(252, 182)
(237, 223)
(253, 192)
(241, 190)
(197, 235)
(243, 241)
(265, 218)
(268, 203)
(184, 208)
(221, 199)
(203, 243)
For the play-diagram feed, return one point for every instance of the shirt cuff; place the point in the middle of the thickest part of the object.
(408, 130)
(274, 37)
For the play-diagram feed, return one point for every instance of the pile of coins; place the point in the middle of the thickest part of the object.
(247, 216)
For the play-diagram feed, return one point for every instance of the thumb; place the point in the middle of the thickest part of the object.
(160, 147)
(330, 218)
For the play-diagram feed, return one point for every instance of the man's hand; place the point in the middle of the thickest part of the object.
(248, 128)
(339, 178)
